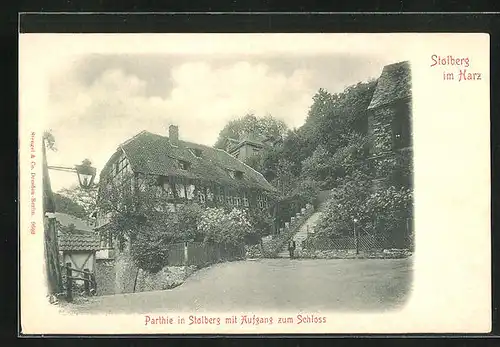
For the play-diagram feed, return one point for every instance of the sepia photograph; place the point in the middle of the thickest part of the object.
(276, 187)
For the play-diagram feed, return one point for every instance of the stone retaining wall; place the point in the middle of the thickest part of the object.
(351, 254)
(126, 273)
(167, 278)
(105, 276)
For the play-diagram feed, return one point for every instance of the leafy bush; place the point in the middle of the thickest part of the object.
(218, 226)
(306, 192)
(262, 225)
(186, 221)
(382, 212)
(389, 209)
(150, 249)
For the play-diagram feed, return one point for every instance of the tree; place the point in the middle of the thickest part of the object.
(295, 149)
(187, 219)
(389, 210)
(346, 204)
(262, 225)
(270, 126)
(139, 211)
(332, 115)
(284, 179)
(249, 124)
(150, 247)
(318, 167)
(86, 198)
(66, 205)
(70, 229)
(306, 191)
(49, 140)
(380, 212)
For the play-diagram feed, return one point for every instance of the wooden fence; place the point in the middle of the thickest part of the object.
(200, 254)
(88, 280)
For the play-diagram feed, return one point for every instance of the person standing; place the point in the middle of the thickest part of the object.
(291, 248)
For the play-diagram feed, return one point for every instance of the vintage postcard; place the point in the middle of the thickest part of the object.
(254, 183)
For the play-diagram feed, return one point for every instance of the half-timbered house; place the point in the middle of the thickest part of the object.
(185, 172)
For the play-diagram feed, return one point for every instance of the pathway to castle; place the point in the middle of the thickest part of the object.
(301, 235)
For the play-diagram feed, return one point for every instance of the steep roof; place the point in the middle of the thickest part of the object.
(79, 242)
(253, 139)
(154, 154)
(393, 84)
(243, 142)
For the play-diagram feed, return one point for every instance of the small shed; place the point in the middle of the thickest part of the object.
(79, 249)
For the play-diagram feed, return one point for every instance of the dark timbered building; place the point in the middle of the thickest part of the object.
(186, 172)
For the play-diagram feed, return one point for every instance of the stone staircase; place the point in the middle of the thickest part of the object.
(301, 235)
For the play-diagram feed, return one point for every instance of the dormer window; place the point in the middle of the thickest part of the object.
(235, 174)
(184, 165)
(197, 152)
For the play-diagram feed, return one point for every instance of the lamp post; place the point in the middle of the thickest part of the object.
(86, 174)
(356, 239)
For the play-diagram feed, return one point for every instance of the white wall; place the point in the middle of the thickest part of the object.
(80, 260)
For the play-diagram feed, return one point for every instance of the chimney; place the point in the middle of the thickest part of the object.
(173, 134)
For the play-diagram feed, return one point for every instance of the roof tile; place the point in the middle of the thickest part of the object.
(79, 242)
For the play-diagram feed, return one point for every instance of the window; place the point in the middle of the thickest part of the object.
(196, 152)
(238, 174)
(109, 243)
(210, 195)
(181, 193)
(237, 201)
(120, 167)
(260, 201)
(121, 243)
(229, 200)
(102, 242)
(141, 184)
(245, 200)
(158, 192)
(168, 190)
(201, 197)
(220, 194)
(183, 165)
(190, 191)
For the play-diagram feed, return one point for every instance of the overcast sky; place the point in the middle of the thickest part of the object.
(96, 99)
